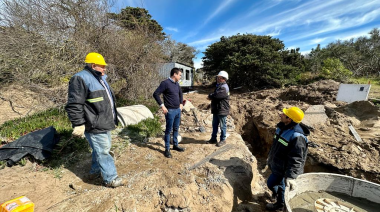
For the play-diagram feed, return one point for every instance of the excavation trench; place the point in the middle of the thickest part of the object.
(332, 146)
(259, 141)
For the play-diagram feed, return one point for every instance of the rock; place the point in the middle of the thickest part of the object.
(188, 106)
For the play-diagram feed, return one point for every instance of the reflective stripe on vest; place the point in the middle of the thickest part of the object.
(288, 135)
(95, 99)
(284, 142)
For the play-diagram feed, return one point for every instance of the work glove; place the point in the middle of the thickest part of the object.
(78, 131)
(291, 183)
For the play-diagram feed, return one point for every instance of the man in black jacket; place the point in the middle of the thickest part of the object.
(92, 111)
(220, 109)
(171, 107)
(287, 155)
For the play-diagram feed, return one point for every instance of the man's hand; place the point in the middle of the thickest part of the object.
(181, 106)
(79, 131)
(291, 183)
(164, 109)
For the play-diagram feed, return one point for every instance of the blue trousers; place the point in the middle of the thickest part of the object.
(102, 161)
(276, 183)
(216, 120)
(173, 118)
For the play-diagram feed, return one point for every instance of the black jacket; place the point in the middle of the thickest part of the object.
(89, 104)
(288, 153)
(220, 100)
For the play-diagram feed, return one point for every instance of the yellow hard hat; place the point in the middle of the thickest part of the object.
(294, 113)
(95, 58)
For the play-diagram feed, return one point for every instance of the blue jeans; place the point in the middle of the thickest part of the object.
(173, 118)
(276, 184)
(102, 161)
(216, 119)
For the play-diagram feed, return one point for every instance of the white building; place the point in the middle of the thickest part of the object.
(187, 72)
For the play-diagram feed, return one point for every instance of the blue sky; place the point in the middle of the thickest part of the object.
(298, 23)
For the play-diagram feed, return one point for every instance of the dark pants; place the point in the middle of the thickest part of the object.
(173, 118)
(276, 183)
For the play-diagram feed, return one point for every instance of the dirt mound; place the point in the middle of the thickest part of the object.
(333, 148)
(18, 101)
(362, 110)
(316, 93)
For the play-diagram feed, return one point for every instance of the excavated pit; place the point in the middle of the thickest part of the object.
(333, 148)
(260, 147)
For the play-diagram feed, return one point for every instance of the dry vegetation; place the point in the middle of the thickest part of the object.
(43, 43)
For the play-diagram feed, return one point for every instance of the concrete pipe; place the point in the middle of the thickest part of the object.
(334, 183)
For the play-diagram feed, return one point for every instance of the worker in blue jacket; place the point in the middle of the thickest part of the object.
(92, 111)
(287, 155)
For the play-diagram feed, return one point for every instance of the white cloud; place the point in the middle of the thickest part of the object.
(290, 47)
(325, 19)
(203, 41)
(260, 7)
(215, 13)
(347, 36)
(305, 52)
(218, 10)
(275, 32)
(172, 29)
(198, 63)
(317, 40)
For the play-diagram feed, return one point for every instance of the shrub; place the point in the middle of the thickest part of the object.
(334, 69)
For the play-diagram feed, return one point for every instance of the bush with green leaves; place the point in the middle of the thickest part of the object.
(332, 68)
(254, 61)
(145, 129)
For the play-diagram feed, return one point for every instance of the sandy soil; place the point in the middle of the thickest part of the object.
(17, 101)
(231, 181)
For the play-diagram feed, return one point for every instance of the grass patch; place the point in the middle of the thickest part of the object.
(56, 117)
(375, 85)
(145, 129)
(65, 152)
(2, 164)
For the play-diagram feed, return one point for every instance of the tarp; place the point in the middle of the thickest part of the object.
(133, 114)
(39, 144)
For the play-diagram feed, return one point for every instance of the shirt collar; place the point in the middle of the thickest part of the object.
(171, 80)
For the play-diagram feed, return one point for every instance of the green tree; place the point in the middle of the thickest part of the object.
(361, 56)
(253, 60)
(334, 69)
(178, 52)
(135, 18)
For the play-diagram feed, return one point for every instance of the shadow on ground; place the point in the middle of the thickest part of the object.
(239, 175)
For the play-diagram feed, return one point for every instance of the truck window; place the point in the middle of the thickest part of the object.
(187, 74)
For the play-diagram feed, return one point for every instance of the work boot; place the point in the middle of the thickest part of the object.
(275, 207)
(212, 141)
(167, 153)
(179, 149)
(273, 197)
(115, 183)
(221, 143)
